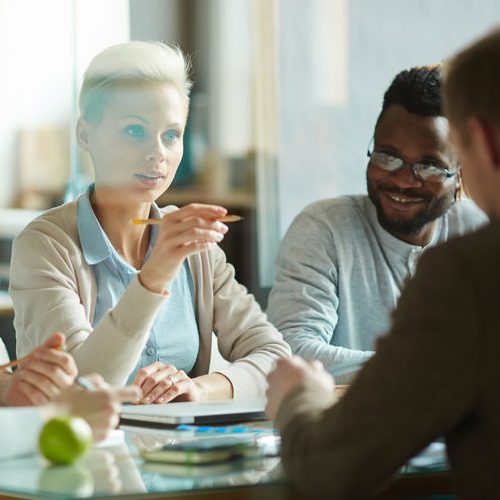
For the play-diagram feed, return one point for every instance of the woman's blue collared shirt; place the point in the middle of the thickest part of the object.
(174, 337)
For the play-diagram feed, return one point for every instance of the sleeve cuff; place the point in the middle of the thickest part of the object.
(247, 382)
(165, 292)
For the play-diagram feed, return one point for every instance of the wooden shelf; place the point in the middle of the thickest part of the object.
(233, 199)
(6, 307)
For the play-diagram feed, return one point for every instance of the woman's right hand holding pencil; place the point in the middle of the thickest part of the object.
(189, 230)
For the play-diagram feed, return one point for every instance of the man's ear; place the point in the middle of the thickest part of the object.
(82, 134)
(487, 135)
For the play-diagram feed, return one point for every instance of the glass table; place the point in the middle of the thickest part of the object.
(115, 469)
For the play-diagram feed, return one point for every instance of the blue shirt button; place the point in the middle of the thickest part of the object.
(150, 351)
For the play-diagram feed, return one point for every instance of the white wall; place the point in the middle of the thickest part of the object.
(230, 79)
(35, 75)
(323, 137)
(155, 20)
(37, 65)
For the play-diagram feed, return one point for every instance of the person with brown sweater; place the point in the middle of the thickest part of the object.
(409, 394)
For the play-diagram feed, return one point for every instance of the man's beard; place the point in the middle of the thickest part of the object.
(433, 209)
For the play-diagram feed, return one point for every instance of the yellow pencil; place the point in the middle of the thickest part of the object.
(24, 358)
(14, 363)
(224, 218)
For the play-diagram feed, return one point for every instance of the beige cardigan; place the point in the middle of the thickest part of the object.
(54, 289)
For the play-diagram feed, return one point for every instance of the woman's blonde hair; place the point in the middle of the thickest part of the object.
(131, 63)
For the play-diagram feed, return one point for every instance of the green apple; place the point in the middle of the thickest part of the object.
(63, 440)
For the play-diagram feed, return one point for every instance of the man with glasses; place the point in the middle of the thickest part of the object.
(344, 261)
(436, 372)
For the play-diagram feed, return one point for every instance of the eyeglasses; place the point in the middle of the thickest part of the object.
(427, 172)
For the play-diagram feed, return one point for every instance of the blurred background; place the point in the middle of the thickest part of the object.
(285, 96)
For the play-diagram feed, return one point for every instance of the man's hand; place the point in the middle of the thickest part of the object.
(42, 376)
(290, 373)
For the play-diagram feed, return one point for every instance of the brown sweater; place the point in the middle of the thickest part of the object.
(436, 374)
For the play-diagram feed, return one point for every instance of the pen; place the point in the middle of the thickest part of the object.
(84, 383)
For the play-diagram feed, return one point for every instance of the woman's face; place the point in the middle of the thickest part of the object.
(137, 146)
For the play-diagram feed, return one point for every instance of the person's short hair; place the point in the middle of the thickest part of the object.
(471, 83)
(418, 90)
(131, 63)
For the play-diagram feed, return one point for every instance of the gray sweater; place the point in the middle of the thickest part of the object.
(339, 275)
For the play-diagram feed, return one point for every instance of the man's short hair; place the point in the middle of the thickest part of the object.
(418, 90)
(471, 83)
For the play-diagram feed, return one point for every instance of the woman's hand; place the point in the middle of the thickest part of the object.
(191, 229)
(289, 374)
(163, 383)
(42, 376)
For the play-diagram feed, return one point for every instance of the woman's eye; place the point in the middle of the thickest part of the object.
(135, 131)
(171, 135)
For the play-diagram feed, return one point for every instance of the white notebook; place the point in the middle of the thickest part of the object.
(205, 413)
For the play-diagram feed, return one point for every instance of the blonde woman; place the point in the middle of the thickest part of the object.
(140, 302)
